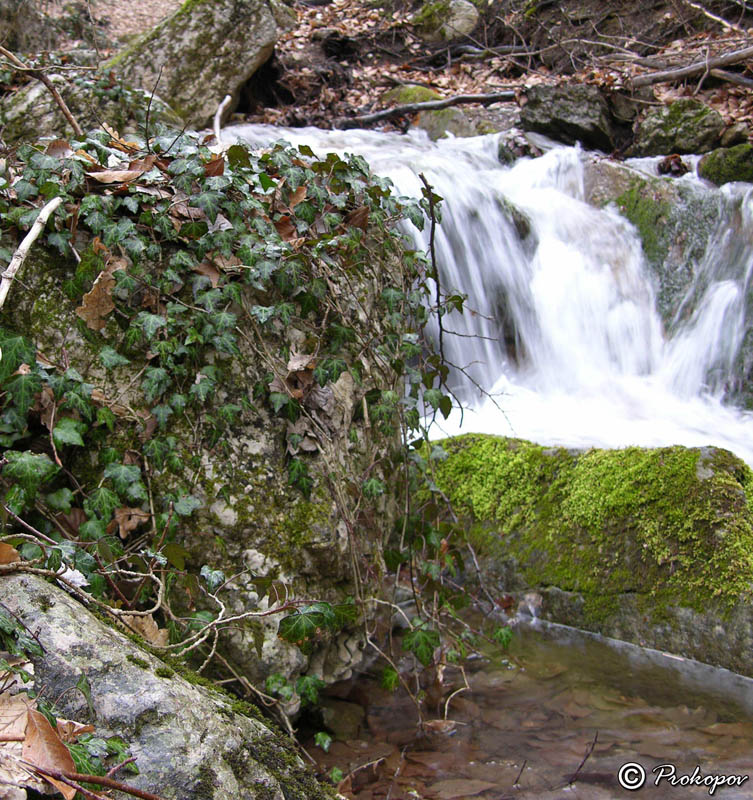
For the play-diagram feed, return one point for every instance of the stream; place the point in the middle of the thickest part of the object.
(537, 710)
(565, 339)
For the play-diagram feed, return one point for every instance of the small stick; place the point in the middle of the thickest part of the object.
(585, 758)
(40, 76)
(98, 780)
(23, 249)
(218, 118)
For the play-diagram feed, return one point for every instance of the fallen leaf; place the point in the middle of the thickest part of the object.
(59, 148)
(45, 749)
(215, 166)
(358, 218)
(211, 272)
(69, 730)
(126, 520)
(116, 175)
(97, 303)
(145, 626)
(8, 554)
(298, 196)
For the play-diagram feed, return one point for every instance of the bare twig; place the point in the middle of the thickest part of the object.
(590, 750)
(23, 249)
(432, 105)
(218, 118)
(698, 68)
(98, 780)
(40, 76)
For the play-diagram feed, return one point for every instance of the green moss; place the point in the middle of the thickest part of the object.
(431, 16)
(139, 662)
(164, 672)
(727, 164)
(671, 523)
(649, 212)
(403, 95)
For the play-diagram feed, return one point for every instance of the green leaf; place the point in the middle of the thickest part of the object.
(186, 505)
(390, 679)
(68, 431)
(176, 555)
(214, 577)
(60, 500)
(111, 358)
(266, 182)
(373, 488)
(421, 641)
(208, 202)
(29, 470)
(237, 156)
(22, 389)
(300, 625)
(103, 502)
(156, 382)
(122, 476)
(502, 636)
(16, 350)
(150, 323)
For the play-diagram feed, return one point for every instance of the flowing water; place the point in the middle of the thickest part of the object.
(565, 339)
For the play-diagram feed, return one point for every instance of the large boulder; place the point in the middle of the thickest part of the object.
(204, 51)
(190, 742)
(445, 20)
(685, 126)
(570, 113)
(653, 546)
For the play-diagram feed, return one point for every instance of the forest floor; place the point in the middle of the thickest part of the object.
(343, 56)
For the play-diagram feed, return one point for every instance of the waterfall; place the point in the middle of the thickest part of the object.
(561, 341)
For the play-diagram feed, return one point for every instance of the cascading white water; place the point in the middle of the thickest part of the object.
(561, 327)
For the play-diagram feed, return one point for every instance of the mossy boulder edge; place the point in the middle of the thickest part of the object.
(653, 546)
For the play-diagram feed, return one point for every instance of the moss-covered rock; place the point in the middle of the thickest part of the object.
(674, 219)
(444, 20)
(686, 126)
(650, 545)
(190, 742)
(727, 164)
(437, 124)
(204, 51)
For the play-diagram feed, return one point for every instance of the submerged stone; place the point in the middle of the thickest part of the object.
(653, 546)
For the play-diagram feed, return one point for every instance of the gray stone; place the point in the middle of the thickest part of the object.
(727, 164)
(444, 20)
(570, 113)
(204, 51)
(686, 126)
(188, 741)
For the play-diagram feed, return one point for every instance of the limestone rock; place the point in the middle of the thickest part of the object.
(205, 50)
(189, 742)
(570, 113)
(686, 126)
(444, 20)
(727, 164)
(654, 546)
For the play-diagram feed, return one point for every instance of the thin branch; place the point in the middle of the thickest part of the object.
(431, 105)
(40, 76)
(698, 68)
(23, 249)
(590, 750)
(98, 780)
(218, 118)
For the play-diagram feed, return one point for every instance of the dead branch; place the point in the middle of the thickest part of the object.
(431, 105)
(40, 76)
(732, 77)
(698, 68)
(23, 249)
(98, 780)
(723, 22)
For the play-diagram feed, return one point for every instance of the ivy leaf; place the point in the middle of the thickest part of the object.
(16, 351)
(122, 475)
(390, 679)
(150, 323)
(23, 388)
(299, 626)
(111, 358)
(156, 382)
(29, 470)
(103, 502)
(60, 500)
(186, 505)
(421, 641)
(237, 156)
(208, 202)
(68, 431)
(213, 577)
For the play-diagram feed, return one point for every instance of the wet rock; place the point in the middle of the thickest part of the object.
(570, 113)
(444, 20)
(727, 164)
(686, 126)
(190, 742)
(654, 546)
(205, 50)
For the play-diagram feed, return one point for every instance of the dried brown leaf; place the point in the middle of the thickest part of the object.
(215, 166)
(145, 626)
(97, 303)
(205, 268)
(45, 749)
(116, 175)
(358, 218)
(69, 730)
(59, 148)
(127, 520)
(8, 554)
